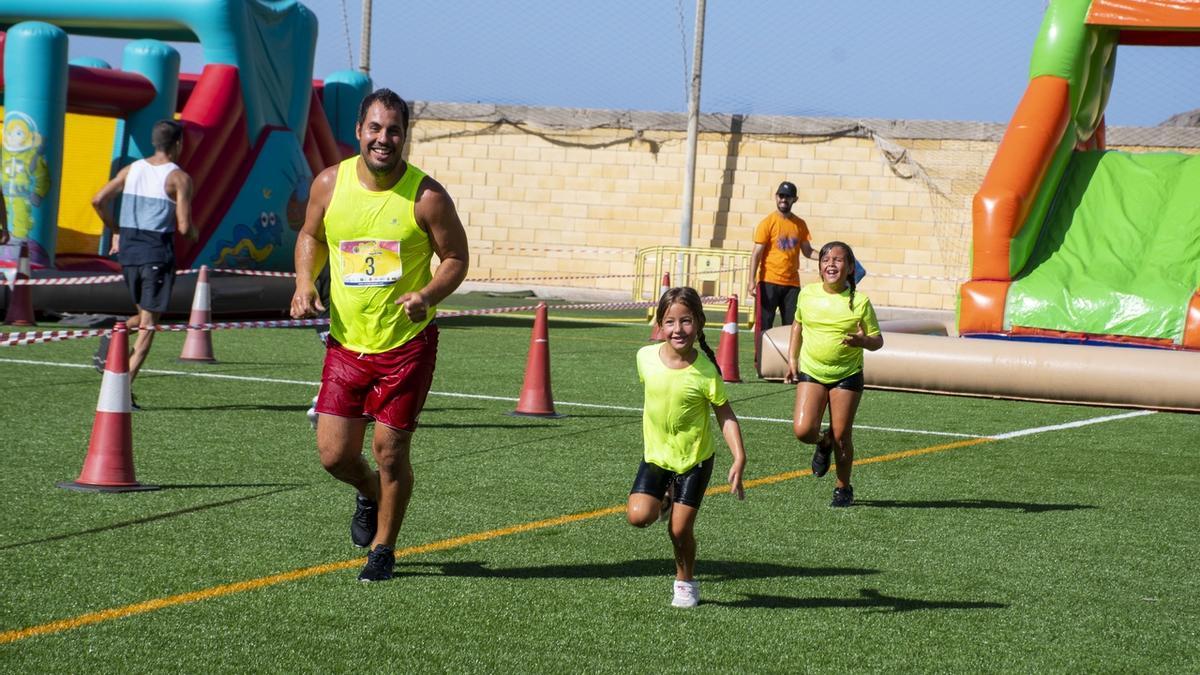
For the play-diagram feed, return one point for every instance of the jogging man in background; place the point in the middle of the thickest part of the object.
(156, 202)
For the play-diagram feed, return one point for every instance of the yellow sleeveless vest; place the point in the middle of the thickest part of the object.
(377, 253)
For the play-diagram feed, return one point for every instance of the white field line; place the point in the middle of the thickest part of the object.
(601, 406)
(1072, 425)
(864, 426)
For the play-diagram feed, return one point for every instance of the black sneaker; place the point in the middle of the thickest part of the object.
(380, 564)
(133, 404)
(365, 521)
(820, 460)
(100, 358)
(843, 496)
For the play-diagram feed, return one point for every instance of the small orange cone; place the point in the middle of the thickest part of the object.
(109, 463)
(536, 399)
(197, 346)
(727, 348)
(656, 334)
(20, 298)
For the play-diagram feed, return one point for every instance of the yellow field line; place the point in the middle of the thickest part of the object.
(90, 618)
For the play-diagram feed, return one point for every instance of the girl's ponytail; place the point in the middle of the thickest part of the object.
(709, 352)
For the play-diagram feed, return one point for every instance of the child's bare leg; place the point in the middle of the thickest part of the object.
(642, 509)
(810, 408)
(683, 539)
(843, 404)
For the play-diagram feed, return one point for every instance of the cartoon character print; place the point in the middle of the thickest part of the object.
(26, 178)
(251, 244)
(787, 243)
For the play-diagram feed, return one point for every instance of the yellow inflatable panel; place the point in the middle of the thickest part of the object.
(87, 156)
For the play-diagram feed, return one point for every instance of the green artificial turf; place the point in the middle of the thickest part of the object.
(1068, 550)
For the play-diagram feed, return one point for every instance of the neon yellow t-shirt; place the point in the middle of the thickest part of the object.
(377, 253)
(676, 422)
(826, 318)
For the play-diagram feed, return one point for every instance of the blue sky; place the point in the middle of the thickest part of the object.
(919, 59)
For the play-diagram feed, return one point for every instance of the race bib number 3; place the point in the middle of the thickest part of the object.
(370, 262)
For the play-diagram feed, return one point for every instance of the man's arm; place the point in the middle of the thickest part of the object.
(102, 201)
(807, 249)
(312, 251)
(755, 260)
(435, 213)
(181, 184)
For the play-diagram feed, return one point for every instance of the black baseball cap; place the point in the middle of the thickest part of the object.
(786, 189)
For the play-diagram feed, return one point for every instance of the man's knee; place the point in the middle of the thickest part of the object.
(392, 449)
(337, 459)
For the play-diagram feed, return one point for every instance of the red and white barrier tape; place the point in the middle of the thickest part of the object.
(69, 281)
(38, 337)
(576, 277)
(113, 278)
(491, 248)
(248, 273)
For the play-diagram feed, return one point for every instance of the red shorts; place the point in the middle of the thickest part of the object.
(389, 387)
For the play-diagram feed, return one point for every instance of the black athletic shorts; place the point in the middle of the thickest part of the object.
(776, 298)
(150, 285)
(689, 486)
(852, 383)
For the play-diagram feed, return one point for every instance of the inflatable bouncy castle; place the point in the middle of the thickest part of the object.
(257, 126)
(1074, 242)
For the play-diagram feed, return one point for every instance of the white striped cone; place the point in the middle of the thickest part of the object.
(727, 348)
(197, 346)
(536, 399)
(109, 463)
(20, 297)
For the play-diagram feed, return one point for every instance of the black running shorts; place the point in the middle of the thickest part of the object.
(852, 383)
(150, 285)
(689, 486)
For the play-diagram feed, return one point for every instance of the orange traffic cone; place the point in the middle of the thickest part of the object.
(656, 334)
(536, 399)
(20, 298)
(109, 463)
(197, 346)
(727, 348)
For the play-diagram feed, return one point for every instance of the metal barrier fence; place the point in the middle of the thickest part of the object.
(712, 272)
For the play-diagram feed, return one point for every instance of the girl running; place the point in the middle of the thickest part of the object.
(833, 326)
(676, 427)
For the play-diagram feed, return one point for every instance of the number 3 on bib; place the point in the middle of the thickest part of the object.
(370, 262)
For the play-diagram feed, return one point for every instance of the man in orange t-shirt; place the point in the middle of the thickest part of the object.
(775, 263)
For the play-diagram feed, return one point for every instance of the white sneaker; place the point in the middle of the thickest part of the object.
(312, 414)
(687, 594)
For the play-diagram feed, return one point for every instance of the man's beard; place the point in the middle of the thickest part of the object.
(381, 168)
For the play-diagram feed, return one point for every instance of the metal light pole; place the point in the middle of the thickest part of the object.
(693, 131)
(364, 54)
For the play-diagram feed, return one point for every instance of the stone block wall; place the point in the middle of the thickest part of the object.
(562, 197)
